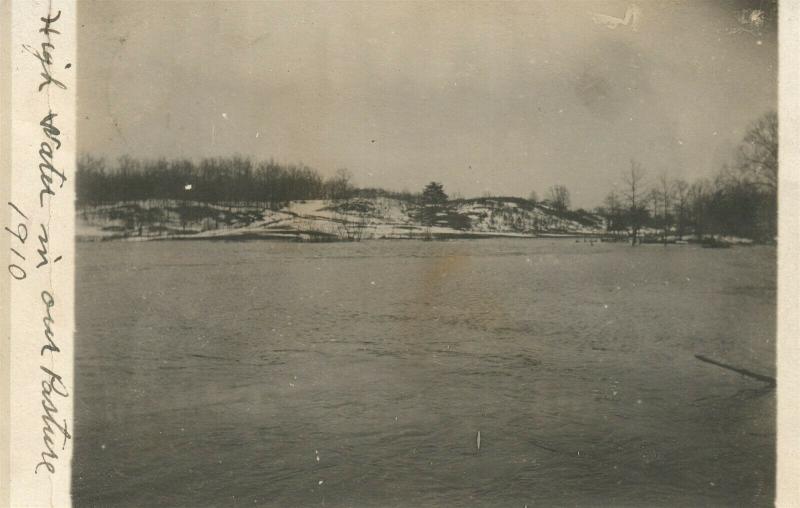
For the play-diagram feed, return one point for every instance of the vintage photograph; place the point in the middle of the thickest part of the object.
(402, 254)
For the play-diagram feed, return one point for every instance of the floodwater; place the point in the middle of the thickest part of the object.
(359, 374)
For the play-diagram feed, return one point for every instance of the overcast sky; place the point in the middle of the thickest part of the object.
(485, 97)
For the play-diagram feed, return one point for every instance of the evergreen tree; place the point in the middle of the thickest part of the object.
(433, 198)
(433, 194)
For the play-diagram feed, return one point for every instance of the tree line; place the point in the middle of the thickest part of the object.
(217, 180)
(740, 200)
(228, 180)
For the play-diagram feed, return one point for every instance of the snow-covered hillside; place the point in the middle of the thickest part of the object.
(318, 220)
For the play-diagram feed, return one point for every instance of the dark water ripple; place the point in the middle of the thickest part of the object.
(215, 374)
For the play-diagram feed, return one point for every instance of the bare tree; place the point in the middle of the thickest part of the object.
(533, 196)
(665, 194)
(634, 194)
(340, 186)
(700, 197)
(654, 197)
(758, 153)
(615, 221)
(681, 205)
(558, 197)
(351, 227)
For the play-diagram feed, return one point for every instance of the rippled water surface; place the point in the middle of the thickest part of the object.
(222, 374)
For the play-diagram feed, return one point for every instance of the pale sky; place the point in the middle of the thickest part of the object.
(485, 97)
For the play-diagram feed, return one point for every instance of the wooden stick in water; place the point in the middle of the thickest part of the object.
(766, 379)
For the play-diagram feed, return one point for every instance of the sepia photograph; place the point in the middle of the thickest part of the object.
(402, 254)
